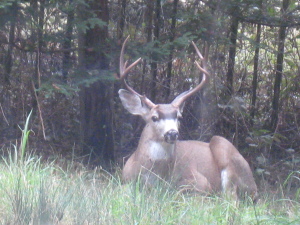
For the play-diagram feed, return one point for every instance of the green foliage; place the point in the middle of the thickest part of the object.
(50, 87)
(6, 3)
(293, 179)
(25, 136)
(90, 23)
(79, 79)
(91, 76)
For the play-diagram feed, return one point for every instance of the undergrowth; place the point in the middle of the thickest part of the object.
(36, 192)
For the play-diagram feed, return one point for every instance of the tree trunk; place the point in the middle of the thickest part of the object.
(157, 24)
(279, 70)
(96, 100)
(229, 91)
(34, 39)
(40, 31)
(5, 97)
(167, 84)
(8, 57)
(149, 31)
(255, 74)
(121, 24)
(66, 63)
(231, 58)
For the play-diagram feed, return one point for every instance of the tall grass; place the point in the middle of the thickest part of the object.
(37, 192)
(41, 193)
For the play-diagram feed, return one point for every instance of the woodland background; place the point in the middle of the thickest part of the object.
(60, 59)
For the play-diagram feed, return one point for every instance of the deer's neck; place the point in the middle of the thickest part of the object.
(155, 147)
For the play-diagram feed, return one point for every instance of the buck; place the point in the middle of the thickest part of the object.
(189, 165)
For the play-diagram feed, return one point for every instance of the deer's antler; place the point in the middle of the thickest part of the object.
(124, 70)
(180, 99)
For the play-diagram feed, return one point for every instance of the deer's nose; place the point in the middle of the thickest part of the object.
(171, 136)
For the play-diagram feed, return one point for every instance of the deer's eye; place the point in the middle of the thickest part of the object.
(155, 118)
(179, 118)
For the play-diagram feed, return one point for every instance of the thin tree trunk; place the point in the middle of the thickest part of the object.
(255, 74)
(40, 31)
(33, 57)
(279, 70)
(157, 24)
(232, 52)
(120, 33)
(149, 31)
(167, 84)
(8, 59)
(121, 23)
(230, 70)
(66, 64)
(36, 82)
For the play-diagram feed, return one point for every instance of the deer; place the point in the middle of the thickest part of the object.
(190, 165)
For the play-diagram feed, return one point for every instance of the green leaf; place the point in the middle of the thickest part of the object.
(90, 24)
(25, 135)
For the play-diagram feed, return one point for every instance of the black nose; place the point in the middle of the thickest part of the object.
(171, 136)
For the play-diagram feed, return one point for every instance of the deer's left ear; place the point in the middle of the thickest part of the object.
(181, 107)
(133, 103)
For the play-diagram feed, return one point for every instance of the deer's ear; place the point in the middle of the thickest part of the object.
(181, 107)
(133, 103)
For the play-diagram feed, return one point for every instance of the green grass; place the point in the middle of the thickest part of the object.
(32, 192)
(42, 193)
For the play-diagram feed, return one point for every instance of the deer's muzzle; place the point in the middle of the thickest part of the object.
(171, 136)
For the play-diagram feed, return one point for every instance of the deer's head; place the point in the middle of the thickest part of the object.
(163, 119)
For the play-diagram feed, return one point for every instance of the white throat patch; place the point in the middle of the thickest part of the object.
(161, 151)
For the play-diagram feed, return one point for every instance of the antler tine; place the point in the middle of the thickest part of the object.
(185, 95)
(203, 59)
(197, 50)
(124, 71)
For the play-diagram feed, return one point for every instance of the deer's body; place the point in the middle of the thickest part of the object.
(193, 165)
(151, 166)
(189, 165)
(196, 168)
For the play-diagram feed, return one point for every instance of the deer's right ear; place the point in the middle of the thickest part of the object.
(133, 103)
